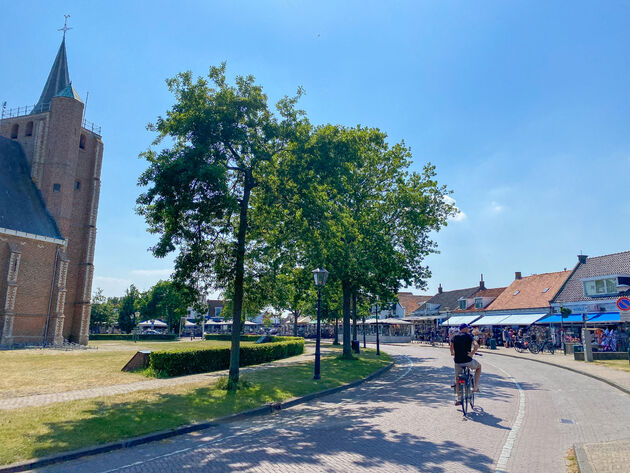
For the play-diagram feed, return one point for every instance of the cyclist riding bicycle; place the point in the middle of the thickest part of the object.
(463, 348)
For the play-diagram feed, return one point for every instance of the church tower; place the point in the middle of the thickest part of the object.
(64, 153)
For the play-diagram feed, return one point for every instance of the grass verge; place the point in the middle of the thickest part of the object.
(37, 432)
(33, 371)
(621, 365)
(571, 461)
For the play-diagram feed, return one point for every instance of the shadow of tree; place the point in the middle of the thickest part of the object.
(338, 433)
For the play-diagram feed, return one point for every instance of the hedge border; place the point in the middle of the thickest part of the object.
(186, 361)
(249, 338)
(129, 336)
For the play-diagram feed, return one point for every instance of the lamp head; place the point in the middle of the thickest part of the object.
(320, 275)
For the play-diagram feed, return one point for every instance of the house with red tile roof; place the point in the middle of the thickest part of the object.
(411, 302)
(479, 301)
(524, 301)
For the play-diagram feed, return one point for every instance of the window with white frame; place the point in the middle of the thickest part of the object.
(600, 287)
(462, 304)
(478, 303)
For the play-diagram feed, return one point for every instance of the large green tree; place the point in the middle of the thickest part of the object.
(352, 206)
(102, 311)
(218, 140)
(167, 302)
(128, 307)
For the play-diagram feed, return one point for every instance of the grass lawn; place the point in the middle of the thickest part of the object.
(32, 371)
(36, 432)
(621, 365)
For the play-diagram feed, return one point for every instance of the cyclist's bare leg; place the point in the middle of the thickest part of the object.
(477, 377)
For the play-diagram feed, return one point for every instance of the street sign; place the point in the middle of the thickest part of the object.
(623, 303)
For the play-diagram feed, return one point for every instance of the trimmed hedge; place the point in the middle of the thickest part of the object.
(249, 338)
(129, 336)
(179, 363)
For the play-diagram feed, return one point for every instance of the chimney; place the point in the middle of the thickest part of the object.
(440, 289)
(582, 259)
(517, 275)
(482, 284)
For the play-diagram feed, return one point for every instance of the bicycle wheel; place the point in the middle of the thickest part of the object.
(519, 348)
(470, 386)
(464, 393)
(550, 348)
(534, 348)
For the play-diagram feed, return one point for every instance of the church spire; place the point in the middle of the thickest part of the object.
(58, 79)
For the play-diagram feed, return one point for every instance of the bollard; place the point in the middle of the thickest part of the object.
(588, 347)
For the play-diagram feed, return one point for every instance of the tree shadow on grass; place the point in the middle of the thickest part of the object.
(339, 433)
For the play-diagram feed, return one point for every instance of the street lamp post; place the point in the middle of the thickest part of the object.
(378, 345)
(363, 317)
(320, 276)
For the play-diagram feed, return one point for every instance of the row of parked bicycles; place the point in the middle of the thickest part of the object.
(525, 344)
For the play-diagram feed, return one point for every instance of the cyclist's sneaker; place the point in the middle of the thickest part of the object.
(458, 403)
(475, 389)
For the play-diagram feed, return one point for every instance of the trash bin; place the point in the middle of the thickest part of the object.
(355, 346)
(493, 344)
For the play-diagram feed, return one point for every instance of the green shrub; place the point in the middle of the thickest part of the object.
(182, 362)
(129, 336)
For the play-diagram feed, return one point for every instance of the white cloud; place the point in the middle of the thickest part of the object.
(496, 207)
(143, 279)
(152, 272)
(459, 216)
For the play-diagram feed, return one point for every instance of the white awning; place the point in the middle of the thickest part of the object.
(152, 323)
(419, 318)
(388, 321)
(457, 320)
(521, 319)
(490, 320)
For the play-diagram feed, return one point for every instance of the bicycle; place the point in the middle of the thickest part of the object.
(521, 345)
(547, 347)
(465, 387)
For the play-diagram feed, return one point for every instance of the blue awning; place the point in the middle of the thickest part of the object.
(604, 318)
(556, 319)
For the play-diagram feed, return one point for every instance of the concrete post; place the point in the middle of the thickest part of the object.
(588, 347)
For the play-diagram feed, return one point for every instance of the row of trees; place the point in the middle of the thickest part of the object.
(163, 301)
(252, 200)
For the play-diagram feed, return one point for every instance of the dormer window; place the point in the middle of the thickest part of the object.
(600, 287)
(462, 304)
(478, 303)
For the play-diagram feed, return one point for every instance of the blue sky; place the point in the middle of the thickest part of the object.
(523, 106)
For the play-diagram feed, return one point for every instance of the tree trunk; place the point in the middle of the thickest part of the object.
(336, 330)
(347, 295)
(238, 288)
(354, 317)
(296, 314)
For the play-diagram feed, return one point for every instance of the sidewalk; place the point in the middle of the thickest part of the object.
(113, 390)
(617, 378)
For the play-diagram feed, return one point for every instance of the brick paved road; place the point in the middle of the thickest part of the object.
(403, 422)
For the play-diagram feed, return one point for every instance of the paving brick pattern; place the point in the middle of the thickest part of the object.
(403, 421)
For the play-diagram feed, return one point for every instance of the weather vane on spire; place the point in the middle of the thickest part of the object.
(65, 26)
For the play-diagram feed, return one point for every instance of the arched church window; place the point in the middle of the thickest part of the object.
(14, 131)
(82, 141)
(29, 129)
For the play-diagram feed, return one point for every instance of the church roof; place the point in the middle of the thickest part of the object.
(69, 92)
(58, 79)
(22, 208)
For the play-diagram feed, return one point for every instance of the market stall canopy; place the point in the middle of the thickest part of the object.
(152, 323)
(557, 319)
(490, 320)
(190, 324)
(388, 321)
(604, 318)
(521, 319)
(419, 318)
(456, 321)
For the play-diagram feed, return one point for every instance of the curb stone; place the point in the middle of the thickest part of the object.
(584, 466)
(185, 429)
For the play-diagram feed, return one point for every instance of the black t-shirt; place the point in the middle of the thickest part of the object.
(462, 345)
